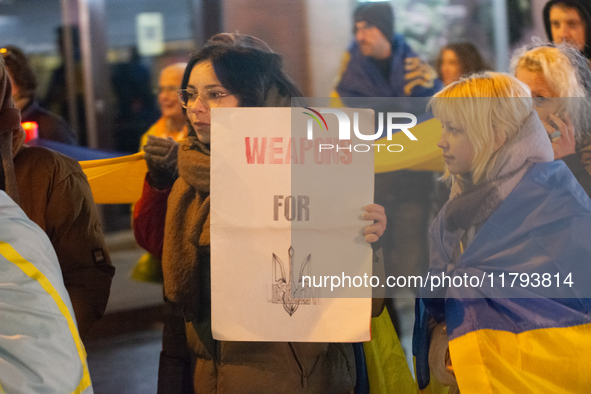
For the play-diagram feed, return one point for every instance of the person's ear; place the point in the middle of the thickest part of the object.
(500, 139)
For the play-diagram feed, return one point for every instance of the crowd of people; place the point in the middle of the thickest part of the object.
(517, 153)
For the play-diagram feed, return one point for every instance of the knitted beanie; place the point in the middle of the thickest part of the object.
(380, 15)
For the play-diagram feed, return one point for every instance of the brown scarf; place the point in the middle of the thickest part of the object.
(186, 232)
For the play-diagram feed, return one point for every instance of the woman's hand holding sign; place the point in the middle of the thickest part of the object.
(374, 231)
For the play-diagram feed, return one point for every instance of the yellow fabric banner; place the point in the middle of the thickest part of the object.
(420, 155)
(118, 180)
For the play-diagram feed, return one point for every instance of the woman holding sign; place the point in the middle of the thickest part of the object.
(232, 74)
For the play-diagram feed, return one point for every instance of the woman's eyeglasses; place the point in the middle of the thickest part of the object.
(211, 98)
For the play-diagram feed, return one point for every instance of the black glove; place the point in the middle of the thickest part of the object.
(161, 158)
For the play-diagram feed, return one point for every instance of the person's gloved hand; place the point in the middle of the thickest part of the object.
(161, 158)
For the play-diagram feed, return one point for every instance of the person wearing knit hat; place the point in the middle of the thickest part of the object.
(568, 21)
(379, 63)
(370, 20)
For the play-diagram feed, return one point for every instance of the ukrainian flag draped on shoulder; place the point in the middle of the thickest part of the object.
(515, 338)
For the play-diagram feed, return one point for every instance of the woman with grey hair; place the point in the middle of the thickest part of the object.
(560, 82)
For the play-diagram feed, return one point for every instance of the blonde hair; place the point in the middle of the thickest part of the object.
(567, 74)
(555, 65)
(490, 107)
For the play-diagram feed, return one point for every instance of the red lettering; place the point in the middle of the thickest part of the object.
(270, 150)
(292, 152)
(273, 150)
(255, 151)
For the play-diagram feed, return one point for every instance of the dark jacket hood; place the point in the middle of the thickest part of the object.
(584, 8)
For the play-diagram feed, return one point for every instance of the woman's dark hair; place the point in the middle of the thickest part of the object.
(20, 71)
(468, 55)
(256, 77)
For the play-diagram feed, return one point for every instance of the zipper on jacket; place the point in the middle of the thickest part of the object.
(300, 365)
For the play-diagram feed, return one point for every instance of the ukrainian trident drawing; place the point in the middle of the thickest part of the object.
(287, 289)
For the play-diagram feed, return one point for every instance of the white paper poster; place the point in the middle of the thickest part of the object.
(286, 206)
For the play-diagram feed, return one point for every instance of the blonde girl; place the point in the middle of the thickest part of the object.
(501, 218)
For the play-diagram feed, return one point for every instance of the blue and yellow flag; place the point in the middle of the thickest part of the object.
(531, 334)
(116, 178)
